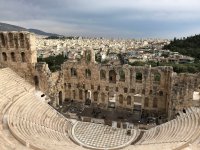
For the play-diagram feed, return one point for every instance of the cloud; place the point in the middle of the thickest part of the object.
(125, 18)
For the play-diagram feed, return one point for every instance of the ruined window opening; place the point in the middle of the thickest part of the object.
(121, 75)
(92, 87)
(36, 81)
(21, 39)
(4, 56)
(102, 74)
(23, 57)
(132, 90)
(74, 94)
(125, 90)
(11, 39)
(73, 72)
(150, 92)
(146, 102)
(128, 100)
(80, 94)
(69, 85)
(116, 89)
(155, 103)
(95, 96)
(157, 77)
(78, 85)
(161, 93)
(143, 91)
(121, 99)
(13, 56)
(99, 88)
(65, 86)
(60, 98)
(3, 42)
(112, 76)
(103, 97)
(87, 73)
(88, 56)
(16, 42)
(139, 77)
(107, 88)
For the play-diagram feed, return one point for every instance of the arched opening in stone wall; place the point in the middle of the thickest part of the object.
(157, 77)
(13, 56)
(4, 56)
(23, 57)
(121, 75)
(11, 40)
(112, 76)
(143, 91)
(21, 39)
(3, 42)
(146, 102)
(36, 81)
(87, 97)
(88, 56)
(155, 103)
(121, 99)
(138, 77)
(60, 97)
(128, 99)
(80, 94)
(74, 94)
(96, 96)
(160, 93)
(27, 44)
(102, 74)
(103, 97)
(87, 73)
(16, 41)
(73, 72)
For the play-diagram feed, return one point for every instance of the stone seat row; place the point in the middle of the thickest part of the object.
(30, 120)
(179, 131)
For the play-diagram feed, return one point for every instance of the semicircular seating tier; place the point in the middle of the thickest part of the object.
(27, 122)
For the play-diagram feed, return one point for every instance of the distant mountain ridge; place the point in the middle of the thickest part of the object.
(9, 27)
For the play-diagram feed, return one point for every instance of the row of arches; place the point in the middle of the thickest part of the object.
(101, 97)
(13, 57)
(113, 75)
(155, 102)
(13, 40)
(122, 76)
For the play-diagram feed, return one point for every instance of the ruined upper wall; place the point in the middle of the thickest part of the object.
(17, 47)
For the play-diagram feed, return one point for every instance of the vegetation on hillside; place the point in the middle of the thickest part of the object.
(54, 62)
(178, 68)
(189, 46)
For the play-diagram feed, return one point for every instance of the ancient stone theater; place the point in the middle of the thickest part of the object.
(32, 97)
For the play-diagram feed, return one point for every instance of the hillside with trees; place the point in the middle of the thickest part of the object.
(189, 46)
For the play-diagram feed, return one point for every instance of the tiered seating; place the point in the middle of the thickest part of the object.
(31, 121)
(179, 132)
(36, 125)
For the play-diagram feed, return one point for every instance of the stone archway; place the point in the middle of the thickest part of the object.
(60, 97)
(112, 76)
(36, 81)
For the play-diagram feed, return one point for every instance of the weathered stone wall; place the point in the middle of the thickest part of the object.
(154, 89)
(18, 51)
(130, 89)
(183, 87)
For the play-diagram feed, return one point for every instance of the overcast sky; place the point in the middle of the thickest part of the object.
(108, 18)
